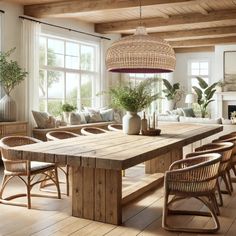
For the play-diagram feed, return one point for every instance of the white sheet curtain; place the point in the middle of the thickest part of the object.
(1, 30)
(30, 62)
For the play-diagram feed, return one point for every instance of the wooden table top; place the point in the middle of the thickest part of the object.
(114, 150)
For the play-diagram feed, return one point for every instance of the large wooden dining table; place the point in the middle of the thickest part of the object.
(97, 162)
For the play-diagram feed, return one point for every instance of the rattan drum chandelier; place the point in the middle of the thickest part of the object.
(140, 53)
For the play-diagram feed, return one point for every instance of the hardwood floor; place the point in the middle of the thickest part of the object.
(141, 217)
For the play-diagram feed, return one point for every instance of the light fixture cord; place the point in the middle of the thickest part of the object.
(140, 13)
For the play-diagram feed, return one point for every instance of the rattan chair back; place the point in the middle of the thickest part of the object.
(223, 148)
(56, 135)
(115, 127)
(92, 130)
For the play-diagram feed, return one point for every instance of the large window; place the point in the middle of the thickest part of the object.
(68, 73)
(198, 68)
(156, 106)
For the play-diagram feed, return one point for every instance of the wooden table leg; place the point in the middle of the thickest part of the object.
(161, 163)
(97, 194)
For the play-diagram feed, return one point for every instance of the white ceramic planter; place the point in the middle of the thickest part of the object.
(7, 108)
(131, 123)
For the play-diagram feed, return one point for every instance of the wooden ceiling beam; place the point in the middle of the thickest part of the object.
(202, 42)
(195, 49)
(187, 19)
(197, 33)
(77, 6)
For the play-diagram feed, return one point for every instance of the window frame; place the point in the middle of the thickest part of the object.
(95, 73)
(191, 77)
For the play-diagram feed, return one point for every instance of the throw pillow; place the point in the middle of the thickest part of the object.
(84, 117)
(43, 120)
(188, 112)
(107, 115)
(74, 118)
(95, 117)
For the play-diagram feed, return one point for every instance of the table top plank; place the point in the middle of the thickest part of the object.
(114, 150)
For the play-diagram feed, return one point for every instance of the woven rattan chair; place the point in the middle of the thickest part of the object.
(230, 138)
(115, 127)
(92, 130)
(24, 170)
(57, 135)
(225, 149)
(192, 177)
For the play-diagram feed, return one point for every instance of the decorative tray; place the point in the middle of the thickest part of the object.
(151, 132)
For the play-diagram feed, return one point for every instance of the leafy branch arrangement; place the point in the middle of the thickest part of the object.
(136, 98)
(204, 94)
(11, 74)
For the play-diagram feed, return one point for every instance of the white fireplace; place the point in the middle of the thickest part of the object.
(223, 100)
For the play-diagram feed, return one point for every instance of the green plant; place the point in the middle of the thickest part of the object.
(11, 74)
(204, 94)
(66, 107)
(170, 91)
(134, 98)
(233, 114)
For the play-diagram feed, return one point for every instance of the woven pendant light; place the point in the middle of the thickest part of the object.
(140, 53)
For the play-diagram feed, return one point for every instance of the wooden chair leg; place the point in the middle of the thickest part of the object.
(57, 183)
(67, 180)
(4, 182)
(230, 180)
(28, 186)
(219, 192)
(234, 169)
(226, 184)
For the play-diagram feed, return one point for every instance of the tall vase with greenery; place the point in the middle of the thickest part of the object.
(67, 109)
(204, 94)
(11, 74)
(134, 99)
(172, 93)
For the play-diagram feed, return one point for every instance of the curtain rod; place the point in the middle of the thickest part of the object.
(2, 11)
(65, 28)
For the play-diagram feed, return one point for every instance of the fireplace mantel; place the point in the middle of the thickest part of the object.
(223, 100)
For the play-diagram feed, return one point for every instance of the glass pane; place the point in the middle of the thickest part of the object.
(204, 65)
(42, 51)
(204, 72)
(86, 91)
(54, 107)
(195, 72)
(55, 84)
(195, 65)
(56, 46)
(42, 105)
(72, 49)
(55, 59)
(72, 62)
(87, 58)
(72, 85)
(42, 83)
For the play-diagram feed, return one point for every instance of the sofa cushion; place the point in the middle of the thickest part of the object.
(226, 121)
(169, 118)
(184, 119)
(107, 114)
(188, 112)
(178, 112)
(44, 120)
(75, 118)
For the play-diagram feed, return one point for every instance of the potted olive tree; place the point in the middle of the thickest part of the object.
(11, 74)
(67, 109)
(133, 99)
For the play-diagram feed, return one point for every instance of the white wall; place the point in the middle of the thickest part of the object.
(12, 34)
